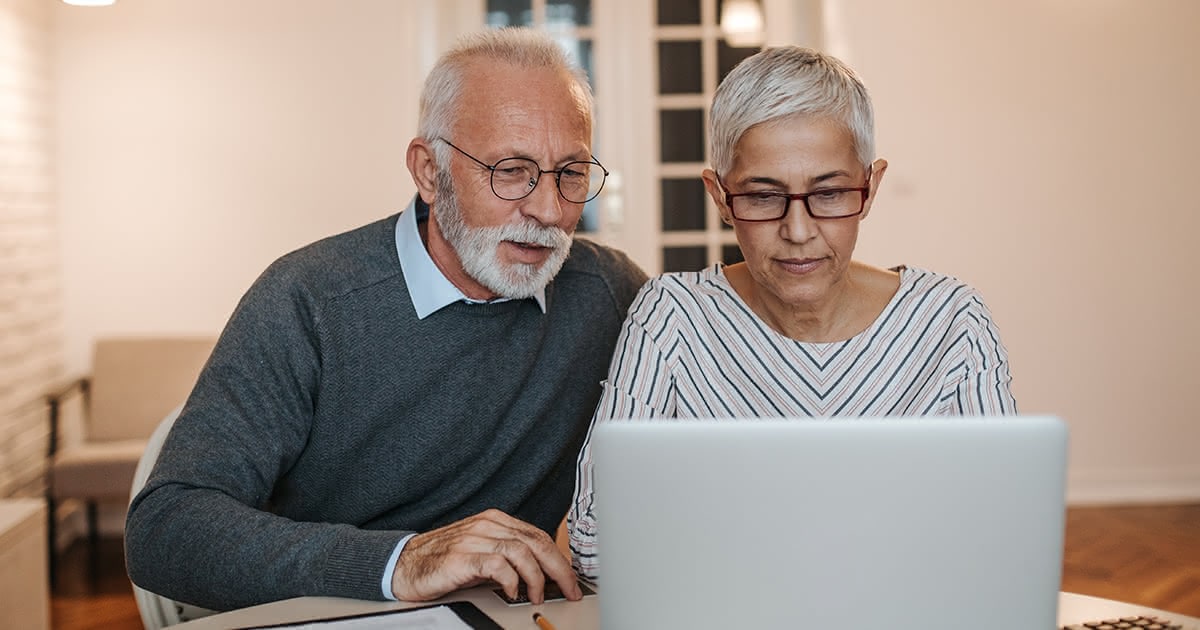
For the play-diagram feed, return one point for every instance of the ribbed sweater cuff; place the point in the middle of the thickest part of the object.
(357, 561)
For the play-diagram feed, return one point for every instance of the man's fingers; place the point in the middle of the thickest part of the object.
(488, 546)
(553, 564)
(518, 554)
(535, 556)
(497, 569)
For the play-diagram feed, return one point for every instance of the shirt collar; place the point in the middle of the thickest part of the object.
(429, 289)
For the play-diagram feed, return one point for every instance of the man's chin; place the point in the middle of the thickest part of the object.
(524, 280)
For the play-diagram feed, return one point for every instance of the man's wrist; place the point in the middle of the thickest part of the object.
(389, 571)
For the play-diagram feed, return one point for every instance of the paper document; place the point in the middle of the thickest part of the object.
(435, 618)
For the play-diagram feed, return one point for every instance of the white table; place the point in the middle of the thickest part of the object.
(584, 615)
(24, 594)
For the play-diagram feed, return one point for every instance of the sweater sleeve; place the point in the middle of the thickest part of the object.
(201, 530)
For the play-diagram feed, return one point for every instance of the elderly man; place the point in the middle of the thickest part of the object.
(395, 412)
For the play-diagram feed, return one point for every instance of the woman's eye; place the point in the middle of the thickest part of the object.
(829, 195)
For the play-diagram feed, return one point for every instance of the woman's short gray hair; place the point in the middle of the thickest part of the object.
(521, 47)
(786, 81)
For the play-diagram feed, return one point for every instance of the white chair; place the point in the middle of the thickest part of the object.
(158, 611)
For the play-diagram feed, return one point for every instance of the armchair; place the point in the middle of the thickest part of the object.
(133, 384)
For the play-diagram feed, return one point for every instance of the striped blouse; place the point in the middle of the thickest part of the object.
(691, 348)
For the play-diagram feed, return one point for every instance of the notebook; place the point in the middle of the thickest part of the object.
(830, 523)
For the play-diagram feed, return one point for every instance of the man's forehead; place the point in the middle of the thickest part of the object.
(549, 112)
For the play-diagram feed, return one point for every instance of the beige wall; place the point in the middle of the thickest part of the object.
(1040, 149)
(201, 139)
(1045, 150)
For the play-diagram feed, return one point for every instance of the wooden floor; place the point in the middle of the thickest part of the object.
(1144, 555)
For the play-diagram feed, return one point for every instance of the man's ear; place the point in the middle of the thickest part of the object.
(423, 167)
(718, 195)
(877, 169)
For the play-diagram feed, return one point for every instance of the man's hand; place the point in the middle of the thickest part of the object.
(488, 546)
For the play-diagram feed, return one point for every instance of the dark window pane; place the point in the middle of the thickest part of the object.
(679, 68)
(731, 254)
(678, 12)
(682, 204)
(684, 258)
(728, 57)
(568, 12)
(501, 13)
(682, 135)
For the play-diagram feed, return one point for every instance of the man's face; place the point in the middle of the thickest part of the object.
(479, 248)
(512, 248)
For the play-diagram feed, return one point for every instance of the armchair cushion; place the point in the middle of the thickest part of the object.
(133, 383)
(100, 470)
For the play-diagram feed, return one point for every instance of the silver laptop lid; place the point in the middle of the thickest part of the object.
(848, 523)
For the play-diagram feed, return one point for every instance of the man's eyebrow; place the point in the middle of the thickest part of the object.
(581, 155)
(578, 156)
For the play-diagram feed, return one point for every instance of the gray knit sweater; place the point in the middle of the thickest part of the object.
(330, 422)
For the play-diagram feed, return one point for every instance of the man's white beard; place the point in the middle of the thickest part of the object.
(478, 247)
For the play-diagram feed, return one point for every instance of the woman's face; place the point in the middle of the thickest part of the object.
(796, 260)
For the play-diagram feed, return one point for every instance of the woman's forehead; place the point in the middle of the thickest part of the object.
(794, 146)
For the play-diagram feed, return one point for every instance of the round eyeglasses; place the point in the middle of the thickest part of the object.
(515, 177)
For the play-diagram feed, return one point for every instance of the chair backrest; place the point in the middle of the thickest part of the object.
(158, 611)
(136, 381)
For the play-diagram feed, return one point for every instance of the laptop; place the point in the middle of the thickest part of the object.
(830, 523)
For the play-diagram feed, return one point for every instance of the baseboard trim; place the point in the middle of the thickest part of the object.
(1111, 487)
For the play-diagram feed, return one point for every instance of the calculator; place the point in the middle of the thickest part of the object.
(553, 592)
(1134, 622)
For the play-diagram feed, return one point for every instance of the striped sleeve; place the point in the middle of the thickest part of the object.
(986, 388)
(581, 518)
(638, 386)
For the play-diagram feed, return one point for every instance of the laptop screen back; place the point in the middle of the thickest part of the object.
(865, 523)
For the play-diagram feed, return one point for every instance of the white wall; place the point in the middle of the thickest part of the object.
(201, 139)
(1046, 151)
(1040, 149)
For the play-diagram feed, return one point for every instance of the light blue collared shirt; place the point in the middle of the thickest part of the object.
(429, 289)
(430, 292)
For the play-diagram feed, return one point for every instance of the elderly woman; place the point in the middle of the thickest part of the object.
(799, 328)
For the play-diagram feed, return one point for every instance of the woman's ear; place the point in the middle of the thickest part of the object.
(877, 168)
(713, 186)
(423, 167)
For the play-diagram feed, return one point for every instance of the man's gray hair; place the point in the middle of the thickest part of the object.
(521, 47)
(786, 81)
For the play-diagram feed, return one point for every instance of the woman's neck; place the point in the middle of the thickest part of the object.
(850, 306)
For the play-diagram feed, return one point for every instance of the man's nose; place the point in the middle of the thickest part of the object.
(544, 204)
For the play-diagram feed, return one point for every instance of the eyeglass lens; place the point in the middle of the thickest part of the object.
(579, 182)
(829, 204)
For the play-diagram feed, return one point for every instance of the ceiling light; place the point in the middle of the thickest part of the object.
(742, 23)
